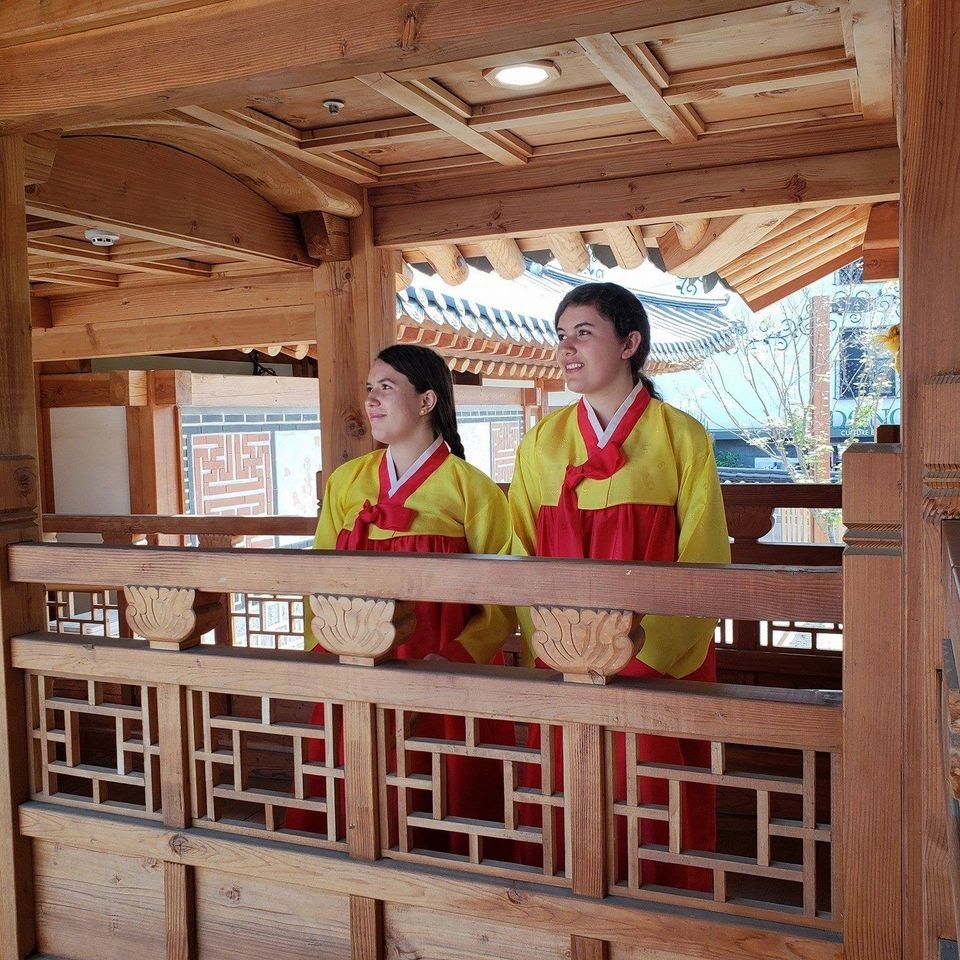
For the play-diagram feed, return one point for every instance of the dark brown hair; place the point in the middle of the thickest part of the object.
(427, 370)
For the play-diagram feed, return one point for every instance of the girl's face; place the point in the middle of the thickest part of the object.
(394, 408)
(590, 353)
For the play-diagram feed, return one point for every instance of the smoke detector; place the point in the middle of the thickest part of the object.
(101, 238)
(334, 106)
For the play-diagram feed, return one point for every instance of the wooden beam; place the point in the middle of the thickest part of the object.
(219, 52)
(118, 388)
(79, 251)
(447, 262)
(770, 186)
(725, 239)
(570, 250)
(109, 182)
(426, 103)
(287, 183)
(40, 150)
(505, 257)
(20, 609)
(881, 243)
(326, 237)
(873, 46)
(627, 245)
(794, 282)
(285, 139)
(630, 78)
(369, 133)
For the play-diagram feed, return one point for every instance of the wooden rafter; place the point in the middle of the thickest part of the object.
(77, 251)
(105, 181)
(505, 257)
(450, 114)
(627, 245)
(570, 250)
(628, 75)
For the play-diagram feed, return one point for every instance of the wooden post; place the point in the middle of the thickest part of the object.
(355, 304)
(21, 605)
(871, 814)
(930, 245)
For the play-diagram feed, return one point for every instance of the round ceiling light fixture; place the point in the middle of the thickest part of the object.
(518, 76)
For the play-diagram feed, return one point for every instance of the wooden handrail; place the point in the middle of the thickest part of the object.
(180, 525)
(741, 592)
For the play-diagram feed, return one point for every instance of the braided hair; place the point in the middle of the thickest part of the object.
(625, 311)
(427, 370)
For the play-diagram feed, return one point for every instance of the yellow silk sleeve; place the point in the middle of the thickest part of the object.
(678, 645)
(489, 531)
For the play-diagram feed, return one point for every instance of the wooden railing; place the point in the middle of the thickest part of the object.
(186, 761)
(783, 652)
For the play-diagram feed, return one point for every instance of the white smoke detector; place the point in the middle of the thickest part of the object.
(101, 238)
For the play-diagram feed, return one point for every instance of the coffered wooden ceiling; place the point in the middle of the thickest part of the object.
(747, 138)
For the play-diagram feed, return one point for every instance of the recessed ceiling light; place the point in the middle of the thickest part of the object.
(516, 76)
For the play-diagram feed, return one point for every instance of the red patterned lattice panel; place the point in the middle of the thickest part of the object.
(233, 473)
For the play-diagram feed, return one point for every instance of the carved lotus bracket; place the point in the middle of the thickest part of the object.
(360, 629)
(171, 618)
(586, 646)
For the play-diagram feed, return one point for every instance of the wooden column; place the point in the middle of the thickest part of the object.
(355, 304)
(153, 447)
(930, 250)
(871, 807)
(21, 606)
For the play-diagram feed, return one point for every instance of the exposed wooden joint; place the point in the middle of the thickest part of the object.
(447, 262)
(881, 243)
(570, 250)
(725, 239)
(505, 257)
(106, 181)
(326, 237)
(39, 152)
(872, 22)
(625, 72)
(690, 232)
(284, 139)
(429, 103)
(627, 245)
(118, 388)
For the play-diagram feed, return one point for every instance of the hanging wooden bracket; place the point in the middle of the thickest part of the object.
(360, 629)
(171, 618)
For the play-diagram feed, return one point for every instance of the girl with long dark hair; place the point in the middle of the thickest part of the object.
(621, 475)
(419, 495)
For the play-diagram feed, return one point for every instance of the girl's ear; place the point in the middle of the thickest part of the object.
(428, 400)
(631, 344)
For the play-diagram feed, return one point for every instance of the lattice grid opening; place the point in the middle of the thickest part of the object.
(796, 636)
(88, 613)
(94, 744)
(469, 790)
(265, 766)
(773, 810)
(267, 621)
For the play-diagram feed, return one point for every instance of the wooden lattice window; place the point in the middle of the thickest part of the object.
(88, 613)
(94, 744)
(267, 621)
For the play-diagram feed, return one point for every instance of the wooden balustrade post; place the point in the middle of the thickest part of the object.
(21, 605)
(871, 806)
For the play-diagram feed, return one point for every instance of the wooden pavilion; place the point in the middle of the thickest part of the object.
(267, 167)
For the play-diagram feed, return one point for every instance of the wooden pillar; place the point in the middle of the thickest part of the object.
(153, 447)
(21, 606)
(930, 249)
(355, 302)
(871, 806)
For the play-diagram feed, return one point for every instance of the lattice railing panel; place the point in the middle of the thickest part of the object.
(268, 766)
(94, 744)
(88, 613)
(479, 792)
(772, 809)
(267, 621)
(797, 636)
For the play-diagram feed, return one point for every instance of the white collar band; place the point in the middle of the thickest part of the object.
(397, 482)
(603, 436)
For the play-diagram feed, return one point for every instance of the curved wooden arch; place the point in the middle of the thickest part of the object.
(275, 179)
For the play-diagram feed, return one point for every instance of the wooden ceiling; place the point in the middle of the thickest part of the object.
(747, 138)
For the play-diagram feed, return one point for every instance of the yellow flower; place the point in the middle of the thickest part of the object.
(891, 340)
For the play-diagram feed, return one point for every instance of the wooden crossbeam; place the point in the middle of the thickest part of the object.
(432, 105)
(370, 133)
(77, 251)
(284, 139)
(881, 243)
(776, 185)
(584, 103)
(76, 278)
(105, 181)
(872, 26)
(626, 73)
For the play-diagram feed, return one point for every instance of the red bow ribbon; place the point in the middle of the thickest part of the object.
(385, 515)
(600, 465)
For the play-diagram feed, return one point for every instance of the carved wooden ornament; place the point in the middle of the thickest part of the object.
(360, 629)
(586, 646)
(170, 617)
